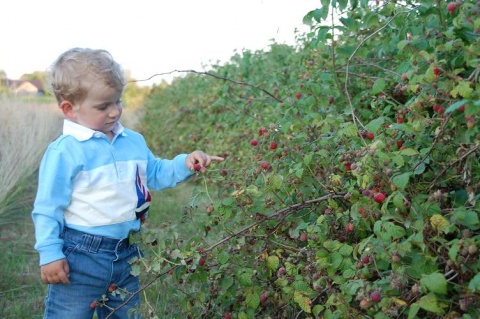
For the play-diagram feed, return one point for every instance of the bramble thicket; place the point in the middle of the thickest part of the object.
(351, 182)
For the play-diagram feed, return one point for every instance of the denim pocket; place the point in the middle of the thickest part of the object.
(69, 247)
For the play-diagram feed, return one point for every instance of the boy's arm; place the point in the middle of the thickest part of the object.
(164, 173)
(53, 196)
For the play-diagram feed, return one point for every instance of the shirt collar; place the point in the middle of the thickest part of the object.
(82, 133)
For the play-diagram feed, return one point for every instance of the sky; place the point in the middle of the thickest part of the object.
(146, 37)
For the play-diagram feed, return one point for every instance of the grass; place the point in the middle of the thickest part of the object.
(28, 126)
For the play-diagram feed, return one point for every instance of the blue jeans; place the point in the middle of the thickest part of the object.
(95, 263)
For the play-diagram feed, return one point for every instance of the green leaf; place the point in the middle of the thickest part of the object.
(463, 89)
(435, 283)
(226, 282)
(456, 106)
(468, 218)
(245, 279)
(348, 129)
(317, 309)
(430, 303)
(242, 315)
(401, 44)
(375, 125)
(412, 312)
(337, 259)
(301, 286)
(346, 250)
(401, 181)
(307, 159)
(223, 258)
(275, 182)
(252, 300)
(394, 231)
(454, 249)
(474, 284)
(408, 152)
(378, 86)
(273, 262)
(304, 302)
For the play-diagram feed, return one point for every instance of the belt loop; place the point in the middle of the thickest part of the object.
(87, 239)
(95, 244)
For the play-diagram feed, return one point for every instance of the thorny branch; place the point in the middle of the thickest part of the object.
(280, 213)
(217, 77)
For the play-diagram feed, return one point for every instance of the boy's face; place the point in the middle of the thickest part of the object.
(100, 110)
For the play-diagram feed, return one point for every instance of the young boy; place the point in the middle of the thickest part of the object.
(93, 189)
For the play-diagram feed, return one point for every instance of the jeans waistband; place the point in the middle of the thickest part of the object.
(93, 243)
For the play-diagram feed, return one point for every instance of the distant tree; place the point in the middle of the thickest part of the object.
(38, 76)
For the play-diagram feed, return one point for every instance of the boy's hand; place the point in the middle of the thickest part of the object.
(55, 272)
(199, 161)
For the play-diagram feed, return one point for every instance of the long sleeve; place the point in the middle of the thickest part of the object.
(166, 173)
(53, 196)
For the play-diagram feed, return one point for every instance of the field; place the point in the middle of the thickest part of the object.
(27, 128)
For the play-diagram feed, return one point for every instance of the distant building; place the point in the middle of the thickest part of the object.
(26, 87)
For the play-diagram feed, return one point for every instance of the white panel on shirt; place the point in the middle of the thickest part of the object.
(105, 195)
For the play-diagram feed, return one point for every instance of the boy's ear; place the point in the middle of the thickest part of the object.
(67, 109)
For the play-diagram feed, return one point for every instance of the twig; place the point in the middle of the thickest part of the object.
(458, 160)
(217, 77)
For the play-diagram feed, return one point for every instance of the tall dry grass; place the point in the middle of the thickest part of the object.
(27, 126)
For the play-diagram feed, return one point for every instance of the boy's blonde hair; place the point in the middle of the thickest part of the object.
(70, 75)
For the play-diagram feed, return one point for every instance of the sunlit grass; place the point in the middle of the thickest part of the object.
(27, 127)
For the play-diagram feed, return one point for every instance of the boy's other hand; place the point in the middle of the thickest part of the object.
(55, 272)
(199, 161)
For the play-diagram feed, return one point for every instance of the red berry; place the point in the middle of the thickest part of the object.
(348, 166)
(224, 172)
(298, 96)
(262, 130)
(197, 166)
(201, 262)
(263, 298)
(400, 120)
(365, 260)
(365, 303)
(210, 209)
(303, 237)
(254, 142)
(370, 136)
(93, 304)
(112, 288)
(379, 197)
(273, 145)
(399, 144)
(376, 296)
(349, 228)
(331, 100)
(227, 316)
(265, 165)
(451, 7)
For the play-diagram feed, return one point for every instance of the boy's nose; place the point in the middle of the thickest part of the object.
(115, 111)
